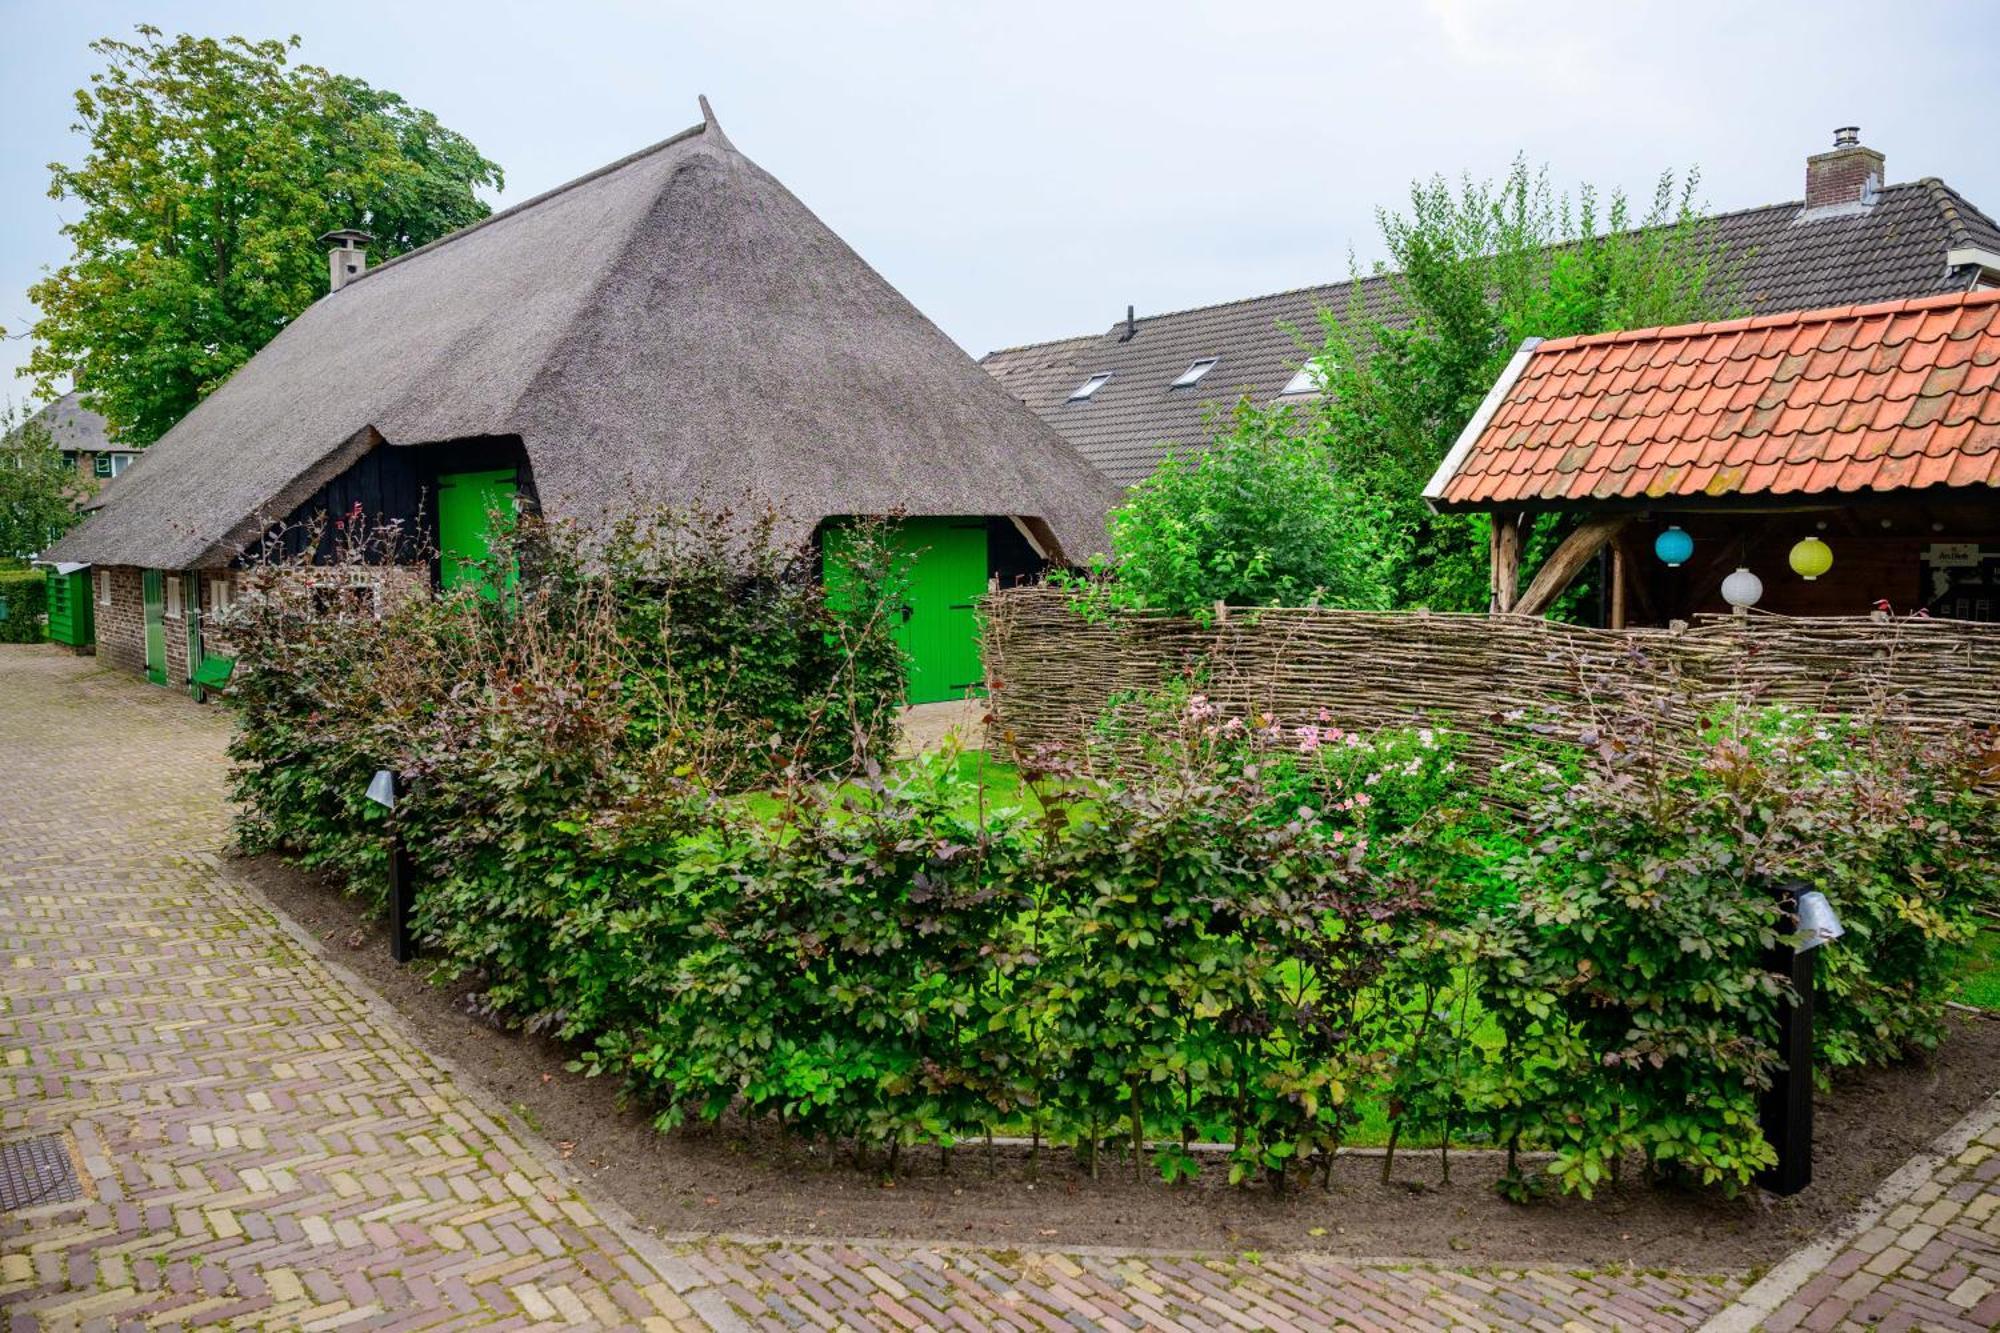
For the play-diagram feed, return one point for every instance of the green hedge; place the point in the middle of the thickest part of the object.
(1264, 933)
(23, 604)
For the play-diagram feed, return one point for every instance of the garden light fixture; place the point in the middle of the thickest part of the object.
(1673, 546)
(1818, 922)
(1811, 558)
(383, 789)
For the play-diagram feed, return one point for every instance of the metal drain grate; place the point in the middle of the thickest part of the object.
(37, 1171)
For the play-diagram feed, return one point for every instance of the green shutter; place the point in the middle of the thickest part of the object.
(156, 626)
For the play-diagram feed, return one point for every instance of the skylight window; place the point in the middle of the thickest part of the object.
(1192, 375)
(1089, 387)
(1309, 378)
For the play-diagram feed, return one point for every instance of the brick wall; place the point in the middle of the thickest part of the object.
(121, 625)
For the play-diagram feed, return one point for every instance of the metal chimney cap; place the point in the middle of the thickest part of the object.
(346, 238)
(1847, 136)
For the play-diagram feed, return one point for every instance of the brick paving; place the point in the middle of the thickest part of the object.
(1932, 1261)
(264, 1148)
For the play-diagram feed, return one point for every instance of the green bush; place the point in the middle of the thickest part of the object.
(614, 670)
(24, 598)
(1247, 930)
(1258, 519)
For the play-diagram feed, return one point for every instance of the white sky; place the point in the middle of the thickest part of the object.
(1023, 170)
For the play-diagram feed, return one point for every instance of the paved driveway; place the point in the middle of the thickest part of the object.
(262, 1146)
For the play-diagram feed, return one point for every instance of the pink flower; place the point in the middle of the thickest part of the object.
(1308, 739)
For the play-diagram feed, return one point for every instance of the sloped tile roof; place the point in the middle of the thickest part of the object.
(1788, 258)
(1898, 395)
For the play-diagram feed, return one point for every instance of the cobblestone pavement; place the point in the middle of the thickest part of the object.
(264, 1148)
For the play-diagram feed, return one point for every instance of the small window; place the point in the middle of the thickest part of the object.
(173, 597)
(1309, 378)
(101, 466)
(1090, 387)
(221, 594)
(119, 462)
(103, 578)
(1192, 375)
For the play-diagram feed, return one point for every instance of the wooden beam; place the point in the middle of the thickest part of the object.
(1567, 561)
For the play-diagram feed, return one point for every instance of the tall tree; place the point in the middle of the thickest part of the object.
(39, 490)
(213, 167)
(1473, 269)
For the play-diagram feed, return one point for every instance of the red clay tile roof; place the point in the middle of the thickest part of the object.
(1896, 396)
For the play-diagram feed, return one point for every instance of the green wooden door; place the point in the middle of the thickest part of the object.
(940, 630)
(155, 588)
(466, 503)
(943, 561)
(70, 610)
(191, 615)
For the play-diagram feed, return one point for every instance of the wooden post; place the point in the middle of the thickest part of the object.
(1507, 537)
(1617, 581)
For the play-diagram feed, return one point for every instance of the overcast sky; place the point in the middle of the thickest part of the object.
(1024, 170)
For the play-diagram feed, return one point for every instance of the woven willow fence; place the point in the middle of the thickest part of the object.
(1056, 674)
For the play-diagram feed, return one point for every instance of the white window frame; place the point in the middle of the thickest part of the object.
(221, 593)
(102, 578)
(1087, 390)
(1308, 380)
(172, 583)
(1192, 375)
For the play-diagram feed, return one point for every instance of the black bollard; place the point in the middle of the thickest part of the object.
(1785, 1114)
(386, 789)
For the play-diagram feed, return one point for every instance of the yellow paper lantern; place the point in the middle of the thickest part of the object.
(1811, 558)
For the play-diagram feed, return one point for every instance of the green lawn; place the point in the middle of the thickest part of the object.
(1980, 984)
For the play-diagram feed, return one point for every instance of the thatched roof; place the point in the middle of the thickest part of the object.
(673, 328)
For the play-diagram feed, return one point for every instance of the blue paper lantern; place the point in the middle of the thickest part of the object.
(1673, 546)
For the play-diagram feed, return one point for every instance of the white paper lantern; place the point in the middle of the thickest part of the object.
(1742, 589)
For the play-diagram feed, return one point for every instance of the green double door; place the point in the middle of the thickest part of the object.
(943, 561)
(469, 503)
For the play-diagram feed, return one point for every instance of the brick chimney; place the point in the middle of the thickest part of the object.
(1849, 176)
(346, 256)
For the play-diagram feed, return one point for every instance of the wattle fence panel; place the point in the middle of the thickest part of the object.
(1055, 674)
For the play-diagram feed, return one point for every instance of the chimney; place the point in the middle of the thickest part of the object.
(1131, 326)
(1848, 177)
(346, 256)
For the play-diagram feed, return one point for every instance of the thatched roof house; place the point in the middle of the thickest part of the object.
(673, 328)
(674, 325)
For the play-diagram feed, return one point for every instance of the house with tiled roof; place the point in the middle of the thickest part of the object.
(1123, 396)
(1820, 462)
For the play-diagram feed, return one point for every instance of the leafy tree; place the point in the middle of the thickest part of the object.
(1473, 269)
(213, 167)
(1263, 518)
(38, 489)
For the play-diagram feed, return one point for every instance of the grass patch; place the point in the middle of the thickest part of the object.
(1979, 979)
